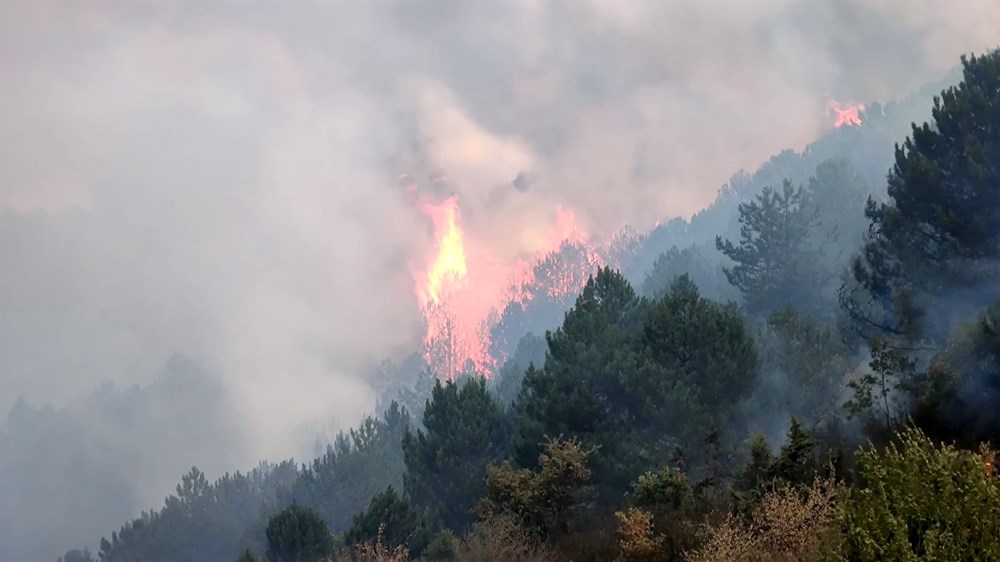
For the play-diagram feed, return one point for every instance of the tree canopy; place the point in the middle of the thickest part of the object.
(464, 430)
(298, 534)
(934, 243)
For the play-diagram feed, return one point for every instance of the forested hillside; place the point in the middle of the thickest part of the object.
(809, 369)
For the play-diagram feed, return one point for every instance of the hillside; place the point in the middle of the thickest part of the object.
(808, 366)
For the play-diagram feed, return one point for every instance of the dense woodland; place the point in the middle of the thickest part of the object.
(807, 370)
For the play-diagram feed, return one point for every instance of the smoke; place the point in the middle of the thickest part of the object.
(217, 179)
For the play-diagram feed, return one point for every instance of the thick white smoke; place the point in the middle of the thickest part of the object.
(216, 179)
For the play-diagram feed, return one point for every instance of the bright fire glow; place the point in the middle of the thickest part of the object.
(845, 115)
(566, 229)
(462, 286)
(448, 268)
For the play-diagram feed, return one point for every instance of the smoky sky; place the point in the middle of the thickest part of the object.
(217, 179)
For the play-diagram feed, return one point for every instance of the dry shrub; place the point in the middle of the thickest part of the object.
(379, 552)
(636, 538)
(500, 538)
(788, 524)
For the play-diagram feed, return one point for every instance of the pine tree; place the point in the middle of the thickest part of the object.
(773, 261)
(702, 345)
(297, 534)
(937, 234)
(464, 430)
(359, 464)
(635, 378)
(753, 478)
(796, 462)
(805, 363)
(392, 519)
(580, 393)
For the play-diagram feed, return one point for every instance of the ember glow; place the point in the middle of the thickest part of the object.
(845, 115)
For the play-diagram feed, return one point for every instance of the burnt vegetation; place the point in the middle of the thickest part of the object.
(808, 369)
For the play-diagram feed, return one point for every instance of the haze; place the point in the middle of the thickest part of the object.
(217, 180)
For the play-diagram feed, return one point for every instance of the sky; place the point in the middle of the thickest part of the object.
(217, 179)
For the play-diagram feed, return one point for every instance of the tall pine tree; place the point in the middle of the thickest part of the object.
(773, 262)
(464, 430)
(937, 235)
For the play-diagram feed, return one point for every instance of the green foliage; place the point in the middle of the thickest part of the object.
(957, 395)
(298, 534)
(663, 490)
(445, 546)
(671, 511)
(464, 430)
(359, 464)
(505, 384)
(203, 520)
(705, 272)
(544, 300)
(923, 501)
(246, 556)
(634, 378)
(796, 463)
(936, 237)
(215, 520)
(702, 345)
(592, 344)
(543, 502)
(408, 383)
(878, 392)
(803, 365)
(396, 518)
(756, 476)
(794, 242)
(773, 261)
(837, 194)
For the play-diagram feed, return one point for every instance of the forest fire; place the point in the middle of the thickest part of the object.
(463, 285)
(448, 268)
(849, 115)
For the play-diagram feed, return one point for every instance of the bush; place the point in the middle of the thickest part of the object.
(297, 534)
(500, 538)
(923, 501)
(542, 502)
(787, 524)
(377, 551)
(636, 538)
(390, 520)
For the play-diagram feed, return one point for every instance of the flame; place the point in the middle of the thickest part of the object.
(463, 286)
(448, 268)
(452, 339)
(849, 115)
(566, 229)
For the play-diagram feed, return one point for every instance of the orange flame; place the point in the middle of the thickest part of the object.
(448, 268)
(451, 339)
(850, 115)
(464, 285)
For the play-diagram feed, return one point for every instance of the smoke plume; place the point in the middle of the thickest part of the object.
(218, 179)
